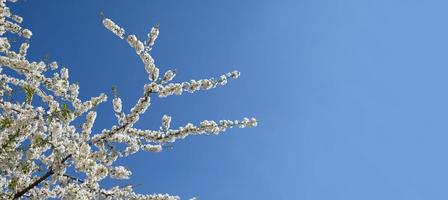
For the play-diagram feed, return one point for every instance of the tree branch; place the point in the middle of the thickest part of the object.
(38, 181)
(74, 178)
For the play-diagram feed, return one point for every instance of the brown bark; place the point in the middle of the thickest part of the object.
(37, 182)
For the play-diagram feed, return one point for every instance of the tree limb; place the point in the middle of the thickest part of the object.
(38, 181)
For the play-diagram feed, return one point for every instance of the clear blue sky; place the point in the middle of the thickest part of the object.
(351, 95)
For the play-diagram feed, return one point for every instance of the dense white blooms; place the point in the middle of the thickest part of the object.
(117, 104)
(120, 172)
(27, 33)
(110, 25)
(4, 44)
(152, 35)
(135, 43)
(23, 49)
(88, 124)
(153, 148)
(17, 18)
(48, 141)
(195, 85)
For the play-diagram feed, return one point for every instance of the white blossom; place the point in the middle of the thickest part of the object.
(120, 172)
(117, 104)
(88, 124)
(27, 33)
(17, 18)
(23, 49)
(166, 121)
(195, 85)
(135, 43)
(114, 28)
(168, 76)
(4, 44)
(64, 73)
(152, 35)
(234, 74)
(152, 148)
(54, 65)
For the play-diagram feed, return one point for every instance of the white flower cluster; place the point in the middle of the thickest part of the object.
(193, 85)
(152, 36)
(48, 143)
(110, 25)
(120, 172)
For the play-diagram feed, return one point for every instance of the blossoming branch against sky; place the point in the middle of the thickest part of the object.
(43, 153)
(349, 94)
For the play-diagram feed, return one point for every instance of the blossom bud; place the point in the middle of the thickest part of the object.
(117, 104)
(166, 121)
(27, 33)
(168, 76)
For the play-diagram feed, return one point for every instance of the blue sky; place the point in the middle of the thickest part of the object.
(350, 95)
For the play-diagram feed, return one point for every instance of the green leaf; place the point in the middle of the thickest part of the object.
(12, 185)
(29, 93)
(5, 123)
(65, 111)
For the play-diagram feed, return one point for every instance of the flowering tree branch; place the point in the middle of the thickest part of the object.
(47, 135)
(36, 182)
